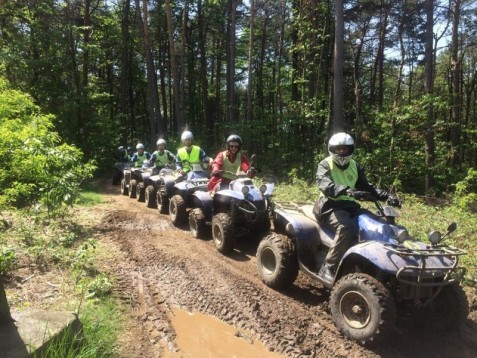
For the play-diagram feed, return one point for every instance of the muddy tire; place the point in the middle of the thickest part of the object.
(362, 308)
(177, 210)
(124, 188)
(132, 188)
(162, 203)
(277, 261)
(223, 233)
(141, 192)
(447, 312)
(150, 197)
(197, 224)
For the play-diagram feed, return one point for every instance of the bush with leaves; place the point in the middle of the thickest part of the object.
(466, 192)
(36, 168)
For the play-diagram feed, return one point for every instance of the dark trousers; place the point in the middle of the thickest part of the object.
(345, 224)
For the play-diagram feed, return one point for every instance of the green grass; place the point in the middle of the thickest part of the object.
(89, 195)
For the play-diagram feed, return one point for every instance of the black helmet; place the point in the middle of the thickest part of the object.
(234, 138)
(130, 149)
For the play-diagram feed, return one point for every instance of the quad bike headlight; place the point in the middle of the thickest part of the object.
(245, 190)
(263, 188)
(434, 237)
(402, 235)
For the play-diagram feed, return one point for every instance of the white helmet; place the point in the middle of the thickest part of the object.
(341, 139)
(140, 146)
(187, 135)
(161, 141)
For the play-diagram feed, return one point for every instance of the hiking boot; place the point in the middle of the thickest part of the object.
(327, 273)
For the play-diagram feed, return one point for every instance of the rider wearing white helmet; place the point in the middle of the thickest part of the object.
(140, 156)
(229, 161)
(189, 154)
(341, 180)
(161, 157)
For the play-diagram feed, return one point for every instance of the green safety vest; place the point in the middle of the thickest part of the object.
(160, 160)
(347, 177)
(228, 166)
(140, 160)
(189, 158)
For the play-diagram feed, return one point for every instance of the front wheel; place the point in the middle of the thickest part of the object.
(223, 233)
(447, 312)
(162, 202)
(362, 308)
(141, 192)
(132, 188)
(177, 210)
(277, 261)
(150, 197)
(197, 224)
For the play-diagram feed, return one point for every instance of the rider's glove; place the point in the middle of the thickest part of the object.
(251, 172)
(216, 173)
(394, 201)
(357, 194)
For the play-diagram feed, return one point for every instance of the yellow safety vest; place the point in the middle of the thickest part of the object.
(189, 158)
(228, 166)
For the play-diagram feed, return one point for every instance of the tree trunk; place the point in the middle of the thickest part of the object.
(455, 88)
(338, 59)
(429, 89)
(125, 76)
(175, 75)
(231, 19)
(204, 85)
(250, 63)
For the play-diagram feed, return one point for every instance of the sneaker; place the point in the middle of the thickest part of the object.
(327, 273)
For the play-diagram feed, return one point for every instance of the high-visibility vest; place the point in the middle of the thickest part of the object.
(160, 160)
(347, 177)
(189, 158)
(140, 160)
(228, 166)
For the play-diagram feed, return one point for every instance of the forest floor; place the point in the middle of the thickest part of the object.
(158, 268)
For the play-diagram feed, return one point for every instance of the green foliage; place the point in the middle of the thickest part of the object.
(466, 192)
(7, 260)
(37, 169)
(296, 190)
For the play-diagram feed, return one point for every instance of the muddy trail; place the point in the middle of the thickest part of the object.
(159, 267)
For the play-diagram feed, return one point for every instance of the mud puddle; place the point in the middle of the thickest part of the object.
(201, 336)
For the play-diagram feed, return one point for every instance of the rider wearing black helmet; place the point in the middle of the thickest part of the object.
(229, 161)
(341, 181)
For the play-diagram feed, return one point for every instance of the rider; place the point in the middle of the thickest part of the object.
(189, 154)
(121, 155)
(341, 182)
(140, 156)
(161, 157)
(229, 161)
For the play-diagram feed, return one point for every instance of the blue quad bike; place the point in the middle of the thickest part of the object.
(133, 178)
(233, 211)
(156, 183)
(178, 196)
(385, 274)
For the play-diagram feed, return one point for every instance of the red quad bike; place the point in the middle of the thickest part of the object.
(385, 274)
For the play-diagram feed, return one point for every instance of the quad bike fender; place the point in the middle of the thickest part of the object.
(227, 193)
(304, 230)
(203, 200)
(387, 260)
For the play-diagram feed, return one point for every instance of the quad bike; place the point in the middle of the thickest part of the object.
(118, 173)
(385, 274)
(157, 180)
(131, 177)
(178, 197)
(235, 211)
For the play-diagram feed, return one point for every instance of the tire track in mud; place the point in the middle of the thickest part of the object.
(208, 282)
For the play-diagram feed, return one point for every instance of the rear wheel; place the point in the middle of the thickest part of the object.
(132, 188)
(197, 223)
(141, 192)
(362, 308)
(177, 210)
(223, 233)
(150, 197)
(277, 261)
(162, 202)
(124, 188)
